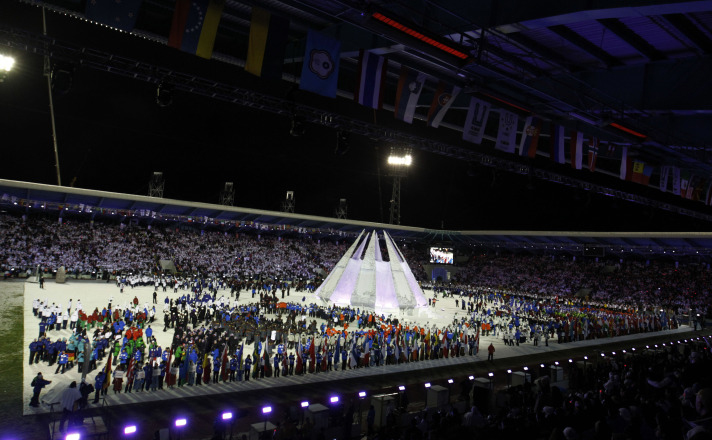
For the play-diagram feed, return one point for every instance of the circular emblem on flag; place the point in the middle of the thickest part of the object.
(444, 98)
(321, 64)
(531, 130)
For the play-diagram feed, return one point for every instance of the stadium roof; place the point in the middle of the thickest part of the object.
(33, 197)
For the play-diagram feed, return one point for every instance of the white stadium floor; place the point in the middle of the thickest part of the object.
(97, 294)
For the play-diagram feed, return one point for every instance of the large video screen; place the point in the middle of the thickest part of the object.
(441, 255)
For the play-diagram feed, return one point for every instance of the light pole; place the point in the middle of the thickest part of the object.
(399, 160)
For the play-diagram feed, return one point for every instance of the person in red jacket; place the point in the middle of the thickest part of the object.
(490, 353)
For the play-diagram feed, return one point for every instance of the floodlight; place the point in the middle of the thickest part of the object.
(305, 404)
(556, 362)
(509, 371)
(490, 374)
(181, 422)
(130, 429)
(633, 348)
(450, 381)
(526, 368)
(72, 436)
(613, 353)
(402, 388)
(362, 394)
(656, 345)
(427, 385)
(585, 358)
(334, 399)
(647, 346)
(571, 361)
(6, 63)
(405, 160)
(227, 416)
(471, 377)
(266, 410)
(541, 365)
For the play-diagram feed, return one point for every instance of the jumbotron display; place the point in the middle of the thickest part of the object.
(441, 255)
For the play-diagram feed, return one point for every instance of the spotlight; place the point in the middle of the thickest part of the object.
(362, 394)
(556, 363)
(427, 385)
(541, 365)
(603, 354)
(471, 377)
(526, 368)
(334, 399)
(647, 346)
(164, 94)
(509, 371)
(227, 416)
(624, 351)
(130, 429)
(6, 63)
(266, 410)
(490, 374)
(613, 353)
(305, 404)
(72, 436)
(450, 381)
(571, 361)
(181, 422)
(401, 388)
(585, 358)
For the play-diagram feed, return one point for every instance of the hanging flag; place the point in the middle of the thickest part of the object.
(642, 173)
(118, 14)
(676, 181)
(476, 121)
(266, 44)
(576, 150)
(708, 198)
(626, 171)
(592, 153)
(558, 154)
(320, 70)
(507, 134)
(195, 25)
(442, 100)
(693, 188)
(609, 150)
(664, 176)
(410, 84)
(371, 78)
(684, 183)
(530, 136)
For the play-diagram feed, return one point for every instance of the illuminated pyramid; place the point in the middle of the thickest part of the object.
(362, 279)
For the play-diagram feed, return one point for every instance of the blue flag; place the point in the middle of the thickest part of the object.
(320, 70)
(121, 15)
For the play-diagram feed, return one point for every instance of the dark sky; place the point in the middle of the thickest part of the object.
(112, 136)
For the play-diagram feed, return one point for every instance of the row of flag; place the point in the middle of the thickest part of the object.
(194, 29)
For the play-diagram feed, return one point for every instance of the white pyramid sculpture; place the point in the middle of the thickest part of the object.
(362, 279)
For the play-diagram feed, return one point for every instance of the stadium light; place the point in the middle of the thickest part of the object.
(266, 410)
(131, 429)
(227, 416)
(450, 381)
(72, 436)
(526, 368)
(362, 394)
(542, 365)
(181, 422)
(6, 63)
(490, 374)
(556, 363)
(401, 388)
(427, 385)
(471, 377)
(405, 160)
(509, 371)
(334, 399)
(305, 404)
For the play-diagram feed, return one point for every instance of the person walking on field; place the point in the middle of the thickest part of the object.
(490, 353)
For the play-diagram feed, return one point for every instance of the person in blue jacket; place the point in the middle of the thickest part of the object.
(62, 362)
(37, 384)
(99, 385)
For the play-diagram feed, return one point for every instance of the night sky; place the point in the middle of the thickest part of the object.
(112, 136)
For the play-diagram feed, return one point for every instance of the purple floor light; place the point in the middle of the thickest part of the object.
(362, 394)
(227, 415)
(305, 404)
(72, 436)
(181, 422)
(401, 388)
(450, 381)
(334, 399)
(266, 410)
(427, 385)
(131, 429)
